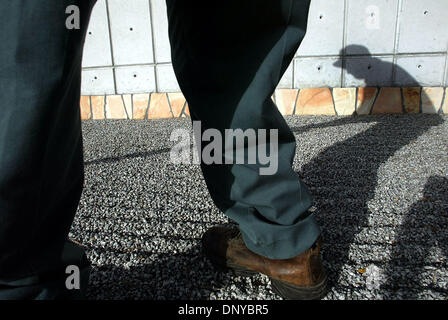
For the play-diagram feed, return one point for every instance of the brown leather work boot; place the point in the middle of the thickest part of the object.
(300, 278)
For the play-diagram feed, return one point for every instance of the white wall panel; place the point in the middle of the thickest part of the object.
(135, 79)
(423, 26)
(160, 24)
(317, 72)
(413, 33)
(422, 71)
(166, 79)
(97, 46)
(371, 26)
(97, 81)
(325, 31)
(130, 25)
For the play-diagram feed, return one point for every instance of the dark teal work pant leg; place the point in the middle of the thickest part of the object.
(41, 162)
(228, 57)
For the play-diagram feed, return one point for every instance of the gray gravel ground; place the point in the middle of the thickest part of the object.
(380, 185)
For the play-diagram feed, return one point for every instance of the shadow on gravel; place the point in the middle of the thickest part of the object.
(186, 276)
(343, 177)
(422, 238)
(128, 156)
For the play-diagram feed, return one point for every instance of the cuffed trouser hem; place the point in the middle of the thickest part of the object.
(55, 284)
(34, 288)
(300, 237)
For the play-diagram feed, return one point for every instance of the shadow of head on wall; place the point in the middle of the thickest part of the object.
(359, 64)
(362, 69)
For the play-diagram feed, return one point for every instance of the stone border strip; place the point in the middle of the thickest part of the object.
(314, 101)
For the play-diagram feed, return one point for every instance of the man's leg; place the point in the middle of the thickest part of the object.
(41, 161)
(228, 57)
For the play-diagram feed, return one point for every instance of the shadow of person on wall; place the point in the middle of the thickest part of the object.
(419, 243)
(343, 178)
(374, 71)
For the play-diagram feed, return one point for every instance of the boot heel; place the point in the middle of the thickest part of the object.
(291, 292)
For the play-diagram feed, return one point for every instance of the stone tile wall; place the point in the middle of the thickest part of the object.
(349, 44)
(308, 101)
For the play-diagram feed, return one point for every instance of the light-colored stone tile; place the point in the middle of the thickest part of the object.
(115, 107)
(85, 107)
(366, 98)
(432, 99)
(445, 103)
(388, 101)
(344, 101)
(140, 105)
(127, 99)
(286, 100)
(177, 102)
(315, 102)
(97, 103)
(159, 108)
(411, 101)
(186, 111)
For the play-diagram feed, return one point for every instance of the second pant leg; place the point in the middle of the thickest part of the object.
(41, 161)
(228, 58)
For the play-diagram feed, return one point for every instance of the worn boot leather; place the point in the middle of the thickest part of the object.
(301, 278)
